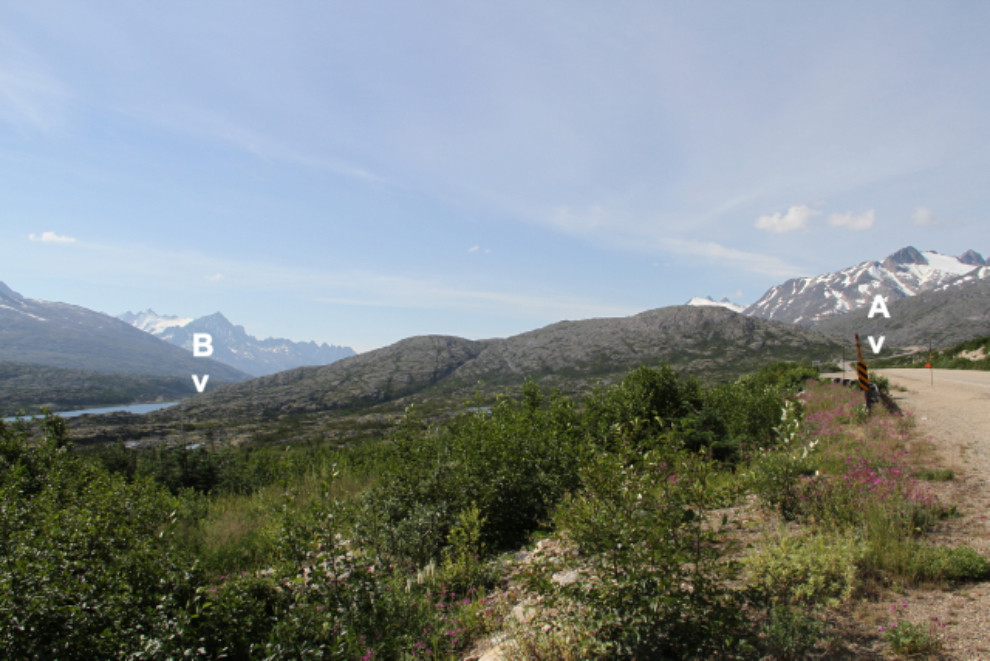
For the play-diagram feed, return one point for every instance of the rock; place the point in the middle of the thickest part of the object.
(566, 577)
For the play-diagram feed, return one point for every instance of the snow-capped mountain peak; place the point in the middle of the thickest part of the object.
(233, 346)
(151, 322)
(708, 300)
(904, 273)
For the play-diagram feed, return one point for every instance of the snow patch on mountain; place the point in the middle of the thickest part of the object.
(904, 273)
(709, 301)
(28, 314)
(151, 322)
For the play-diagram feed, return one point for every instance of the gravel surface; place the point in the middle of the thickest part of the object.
(953, 413)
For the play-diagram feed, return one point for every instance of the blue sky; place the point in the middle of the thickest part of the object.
(357, 173)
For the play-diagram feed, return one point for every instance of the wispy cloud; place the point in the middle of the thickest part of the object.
(851, 221)
(925, 217)
(114, 264)
(796, 218)
(30, 97)
(200, 122)
(51, 237)
(748, 261)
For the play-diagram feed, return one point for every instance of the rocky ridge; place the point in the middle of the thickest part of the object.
(571, 355)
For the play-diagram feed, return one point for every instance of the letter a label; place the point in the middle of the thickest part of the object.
(200, 386)
(203, 344)
(878, 307)
(876, 346)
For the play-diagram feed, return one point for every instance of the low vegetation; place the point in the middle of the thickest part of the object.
(971, 355)
(613, 527)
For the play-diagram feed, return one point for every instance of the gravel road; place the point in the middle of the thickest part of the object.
(952, 409)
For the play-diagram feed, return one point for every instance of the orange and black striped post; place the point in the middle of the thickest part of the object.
(864, 374)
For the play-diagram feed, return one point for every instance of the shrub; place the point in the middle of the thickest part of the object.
(774, 475)
(463, 567)
(911, 639)
(806, 569)
(652, 579)
(513, 464)
(943, 563)
(86, 556)
(641, 407)
(790, 633)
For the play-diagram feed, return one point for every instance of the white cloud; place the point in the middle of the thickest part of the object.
(851, 221)
(216, 277)
(748, 261)
(925, 217)
(796, 218)
(474, 249)
(51, 237)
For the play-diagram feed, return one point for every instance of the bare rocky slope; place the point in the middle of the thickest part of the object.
(947, 316)
(72, 337)
(570, 354)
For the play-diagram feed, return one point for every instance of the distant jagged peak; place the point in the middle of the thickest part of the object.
(151, 322)
(974, 258)
(709, 301)
(216, 318)
(908, 255)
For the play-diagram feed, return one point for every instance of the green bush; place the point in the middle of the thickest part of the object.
(513, 464)
(85, 556)
(944, 563)
(806, 569)
(913, 640)
(790, 633)
(646, 403)
(651, 578)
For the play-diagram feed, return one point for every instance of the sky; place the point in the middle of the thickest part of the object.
(358, 173)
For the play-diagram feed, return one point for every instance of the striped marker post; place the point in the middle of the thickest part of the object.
(864, 375)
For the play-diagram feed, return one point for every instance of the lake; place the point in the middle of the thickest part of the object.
(131, 408)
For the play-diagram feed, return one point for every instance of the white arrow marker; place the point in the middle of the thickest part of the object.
(200, 387)
(876, 345)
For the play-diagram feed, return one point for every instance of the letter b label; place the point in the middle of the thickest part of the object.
(202, 344)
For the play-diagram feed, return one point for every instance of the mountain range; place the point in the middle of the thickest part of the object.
(571, 355)
(943, 316)
(233, 346)
(72, 337)
(931, 297)
(905, 273)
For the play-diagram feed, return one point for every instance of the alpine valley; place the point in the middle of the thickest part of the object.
(311, 391)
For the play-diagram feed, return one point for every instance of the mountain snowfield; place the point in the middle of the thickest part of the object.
(151, 322)
(905, 273)
(709, 301)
